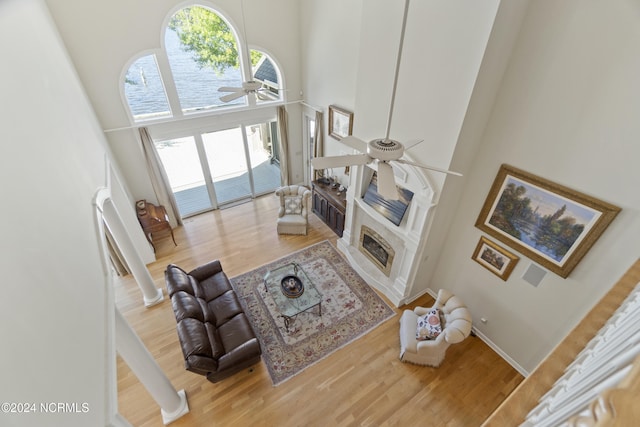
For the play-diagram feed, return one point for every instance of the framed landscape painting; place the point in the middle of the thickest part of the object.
(340, 122)
(547, 222)
(497, 260)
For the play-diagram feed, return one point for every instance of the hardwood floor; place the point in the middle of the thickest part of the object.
(364, 383)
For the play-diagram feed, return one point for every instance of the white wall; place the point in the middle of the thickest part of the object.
(329, 62)
(349, 59)
(444, 46)
(53, 306)
(567, 111)
(331, 35)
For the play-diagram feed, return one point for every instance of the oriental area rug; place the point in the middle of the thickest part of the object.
(349, 309)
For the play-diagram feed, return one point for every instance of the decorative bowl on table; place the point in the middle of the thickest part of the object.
(291, 286)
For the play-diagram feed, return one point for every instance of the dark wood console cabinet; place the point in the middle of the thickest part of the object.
(329, 204)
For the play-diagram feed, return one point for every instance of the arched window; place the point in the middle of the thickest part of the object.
(200, 56)
(266, 72)
(144, 90)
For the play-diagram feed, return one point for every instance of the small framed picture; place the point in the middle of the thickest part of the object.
(494, 258)
(340, 122)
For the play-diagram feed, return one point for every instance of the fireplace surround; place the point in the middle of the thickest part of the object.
(376, 248)
(388, 256)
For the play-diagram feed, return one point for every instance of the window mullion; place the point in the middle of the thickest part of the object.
(247, 156)
(206, 170)
(169, 85)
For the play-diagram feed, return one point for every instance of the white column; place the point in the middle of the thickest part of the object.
(173, 404)
(151, 294)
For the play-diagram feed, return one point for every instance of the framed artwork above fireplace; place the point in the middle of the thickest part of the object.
(393, 210)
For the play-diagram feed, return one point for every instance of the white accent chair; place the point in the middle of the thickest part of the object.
(456, 326)
(293, 216)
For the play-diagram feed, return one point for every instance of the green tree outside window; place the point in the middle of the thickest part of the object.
(209, 39)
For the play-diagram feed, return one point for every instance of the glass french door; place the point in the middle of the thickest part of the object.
(310, 143)
(181, 161)
(210, 170)
(227, 160)
(264, 157)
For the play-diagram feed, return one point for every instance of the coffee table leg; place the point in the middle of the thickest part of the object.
(287, 322)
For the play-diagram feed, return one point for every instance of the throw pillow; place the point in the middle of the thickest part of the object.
(429, 326)
(292, 205)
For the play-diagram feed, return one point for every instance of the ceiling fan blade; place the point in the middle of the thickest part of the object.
(412, 143)
(340, 161)
(386, 181)
(230, 89)
(232, 96)
(433, 168)
(265, 95)
(355, 143)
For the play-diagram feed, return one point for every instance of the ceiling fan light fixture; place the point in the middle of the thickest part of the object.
(251, 85)
(385, 149)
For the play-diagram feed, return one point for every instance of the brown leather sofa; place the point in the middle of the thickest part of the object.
(215, 334)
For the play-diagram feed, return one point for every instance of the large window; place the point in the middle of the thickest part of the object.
(213, 169)
(200, 55)
(211, 160)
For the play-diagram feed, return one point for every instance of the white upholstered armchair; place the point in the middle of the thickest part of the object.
(455, 327)
(293, 216)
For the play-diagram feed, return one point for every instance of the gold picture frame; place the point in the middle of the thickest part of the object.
(340, 122)
(549, 223)
(494, 258)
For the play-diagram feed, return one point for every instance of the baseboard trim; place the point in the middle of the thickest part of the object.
(501, 353)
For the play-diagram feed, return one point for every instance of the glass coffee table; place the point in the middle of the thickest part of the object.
(292, 291)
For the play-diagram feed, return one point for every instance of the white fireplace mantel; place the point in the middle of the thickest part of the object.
(408, 239)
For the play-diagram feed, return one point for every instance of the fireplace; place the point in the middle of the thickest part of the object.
(388, 255)
(377, 249)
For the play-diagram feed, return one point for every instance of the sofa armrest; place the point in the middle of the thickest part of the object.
(244, 352)
(442, 298)
(421, 311)
(457, 329)
(207, 270)
(200, 364)
(306, 201)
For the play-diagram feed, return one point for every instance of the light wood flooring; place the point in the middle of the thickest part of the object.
(363, 383)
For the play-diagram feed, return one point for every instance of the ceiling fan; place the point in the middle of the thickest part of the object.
(382, 150)
(249, 86)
